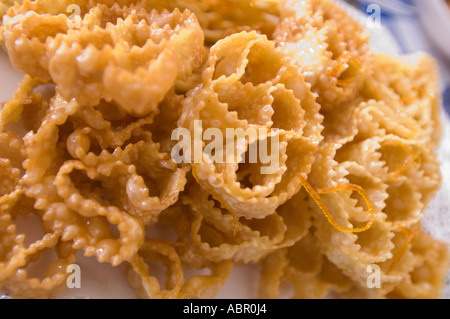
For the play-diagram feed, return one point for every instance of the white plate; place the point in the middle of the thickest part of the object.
(435, 17)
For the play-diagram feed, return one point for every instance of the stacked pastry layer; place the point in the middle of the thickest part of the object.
(87, 147)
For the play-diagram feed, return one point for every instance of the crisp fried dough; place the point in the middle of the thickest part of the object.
(87, 144)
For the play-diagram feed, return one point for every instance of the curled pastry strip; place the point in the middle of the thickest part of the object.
(207, 286)
(425, 280)
(102, 59)
(319, 276)
(315, 276)
(409, 85)
(261, 199)
(360, 249)
(12, 109)
(410, 236)
(146, 205)
(396, 161)
(12, 154)
(311, 276)
(144, 180)
(282, 107)
(8, 234)
(16, 256)
(11, 144)
(23, 285)
(362, 146)
(25, 32)
(93, 235)
(120, 69)
(414, 158)
(197, 286)
(272, 274)
(221, 18)
(377, 118)
(334, 52)
(357, 130)
(9, 177)
(407, 160)
(96, 135)
(42, 152)
(130, 228)
(147, 286)
(4, 5)
(107, 127)
(389, 153)
(243, 240)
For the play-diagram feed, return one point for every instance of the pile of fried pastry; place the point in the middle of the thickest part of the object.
(86, 148)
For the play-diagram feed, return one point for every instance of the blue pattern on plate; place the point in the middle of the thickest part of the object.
(446, 99)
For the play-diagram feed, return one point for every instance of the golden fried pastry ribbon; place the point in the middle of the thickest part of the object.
(345, 141)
